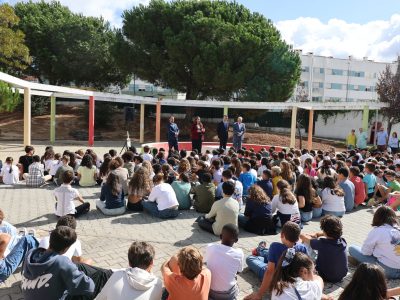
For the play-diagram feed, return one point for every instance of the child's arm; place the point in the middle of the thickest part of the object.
(79, 198)
(265, 283)
(366, 191)
(393, 292)
(302, 201)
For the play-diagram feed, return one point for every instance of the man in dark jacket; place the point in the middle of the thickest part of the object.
(172, 134)
(222, 131)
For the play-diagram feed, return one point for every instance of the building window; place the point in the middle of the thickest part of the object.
(305, 69)
(317, 99)
(304, 84)
(319, 70)
(337, 72)
(336, 86)
(357, 74)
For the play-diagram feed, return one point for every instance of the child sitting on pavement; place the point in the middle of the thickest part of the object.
(225, 262)
(185, 277)
(263, 262)
(331, 262)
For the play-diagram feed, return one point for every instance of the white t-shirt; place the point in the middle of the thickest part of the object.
(332, 202)
(164, 195)
(304, 157)
(224, 262)
(287, 209)
(10, 178)
(383, 242)
(55, 164)
(48, 163)
(147, 156)
(261, 170)
(74, 250)
(254, 172)
(308, 290)
(65, 195)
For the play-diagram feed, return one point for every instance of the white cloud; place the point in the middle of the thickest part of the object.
(111, 10)
(379, 40)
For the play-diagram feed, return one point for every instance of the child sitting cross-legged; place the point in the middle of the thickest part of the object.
(225, 262)
(331, 262)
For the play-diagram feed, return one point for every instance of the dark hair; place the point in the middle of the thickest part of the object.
(257, 194)
(384, 215)
(368, 283)
(332, 226)
(246, 166)
(232, 230)
(227, 174)
(228, 188)
(128, 156)
(67, 177)
(355, 171)
(206, 177)
(29, 149)
(344, 172)
(184, 177)
(370, 167)
(285, 194)
(67, 220)
(140, 255)
(36, 158)
(330, 182)
(87, 161)
(304, 188)
(105, 166)
(10, 161)
(284, 276)
(291, 231)
(113, 183)
(267, 173)
(112, 152)
(62, 238)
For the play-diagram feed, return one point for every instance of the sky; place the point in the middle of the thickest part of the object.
(333, 28)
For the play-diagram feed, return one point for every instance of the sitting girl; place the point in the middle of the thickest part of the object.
(332, 198)
(285, 205)
(294, 278)
(112, 200)
(182, 191)
(306, 197)
(257, 216)
(139, 187)
(87, 172)
(381, 247)
(9, 172)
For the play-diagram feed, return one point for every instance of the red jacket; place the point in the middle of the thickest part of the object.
(196, 135)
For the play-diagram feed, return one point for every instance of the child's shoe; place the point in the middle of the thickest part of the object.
(261, 246)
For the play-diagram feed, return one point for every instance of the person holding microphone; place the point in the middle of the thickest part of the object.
(197, 132)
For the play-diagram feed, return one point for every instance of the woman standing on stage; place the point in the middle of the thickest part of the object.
(197, 134)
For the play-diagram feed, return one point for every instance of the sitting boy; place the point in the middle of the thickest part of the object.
(264, 263)
(331, 262)
(185, 277)
(60, 171)
(225, 262)
(203, 194)
(35, 177)
(47, 274)
(66, 195)
(224, 211)
(137, 281)
(74, 252)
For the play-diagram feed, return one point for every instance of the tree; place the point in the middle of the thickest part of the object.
(208, 49)
(388, 89)
(14, 54)
(69, 48)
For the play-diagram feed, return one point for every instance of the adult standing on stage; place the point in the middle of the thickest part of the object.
(197, 134)
(238, 133)
(222, 131)
(172, 134)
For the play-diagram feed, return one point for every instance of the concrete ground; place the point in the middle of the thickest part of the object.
(106, 239)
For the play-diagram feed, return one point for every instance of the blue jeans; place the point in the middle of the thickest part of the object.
(152, 209)
(317, 212)
(390, 273)
(9, 264)
(258, 264)
(242, 220)
(333, 213)
(306, 216)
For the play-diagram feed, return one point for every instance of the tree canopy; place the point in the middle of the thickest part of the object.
(206, 49)
(388, 89)
(14, 54)
(67, 47)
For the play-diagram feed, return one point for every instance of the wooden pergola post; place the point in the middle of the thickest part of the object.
(27, 116)
(310, 129)
(365, 117)
(158, 119)
(52, 119)
(225, 110)
(141, 133)
(293, 127)
(91, 121)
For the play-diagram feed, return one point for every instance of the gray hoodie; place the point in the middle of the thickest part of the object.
(131, 283)
(48, 275)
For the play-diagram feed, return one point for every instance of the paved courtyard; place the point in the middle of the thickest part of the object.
(106, 239)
